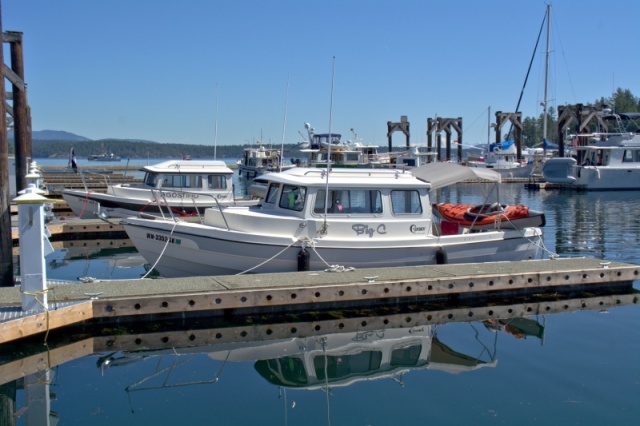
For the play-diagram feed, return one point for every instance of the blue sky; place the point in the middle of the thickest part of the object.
(168, 70)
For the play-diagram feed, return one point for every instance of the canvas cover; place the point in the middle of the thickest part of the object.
(440, 175)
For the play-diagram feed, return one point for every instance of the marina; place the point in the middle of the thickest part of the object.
(328, 281)
(226, 335)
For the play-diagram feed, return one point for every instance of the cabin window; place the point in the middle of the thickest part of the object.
(217, 181)
(406, 202)
(631, 156)
(151, 179)
(406, 356)
(287, 370)
(345, 365)
(272, 194)
(292, 197)
(352, 157)
(182, 181)
(349, 202)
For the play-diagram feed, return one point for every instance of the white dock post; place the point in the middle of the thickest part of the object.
(34, 246)
(34, 176)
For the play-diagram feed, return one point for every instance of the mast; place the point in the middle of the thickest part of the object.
(323, 230)
(488, 129)
(215, 138)
(284, 126)
(546, 78)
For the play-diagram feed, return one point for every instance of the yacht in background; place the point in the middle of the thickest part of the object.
(608, 160)
(181, 187)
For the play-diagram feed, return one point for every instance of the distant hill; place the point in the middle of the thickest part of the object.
(61, 135)
(54, 135)
(125, 140)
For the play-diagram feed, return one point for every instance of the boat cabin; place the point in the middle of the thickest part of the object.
(193, 176)
(351, 192)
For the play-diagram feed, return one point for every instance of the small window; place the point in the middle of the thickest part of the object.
(630, 156)
(151, 179)
(217, 181)
(292, 197)
(177, 181)
(406, 202)
(272, 194)
(339, 366)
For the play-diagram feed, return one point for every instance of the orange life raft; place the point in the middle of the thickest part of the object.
(485, 215)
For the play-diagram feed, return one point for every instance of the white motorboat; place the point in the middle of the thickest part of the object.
(502, 157)
(104, 156)
(603, 160)
(311, 219)
(324, 148)
(259, 160)
(184, 188)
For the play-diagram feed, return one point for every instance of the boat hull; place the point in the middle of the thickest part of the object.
(566, 172)
(190, 249)
(90, 205)
(523, 171)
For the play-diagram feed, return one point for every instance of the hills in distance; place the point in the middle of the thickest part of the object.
(57, 144)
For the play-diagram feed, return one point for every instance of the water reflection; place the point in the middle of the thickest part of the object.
(322, 355)
(98, 259)
(596, 223)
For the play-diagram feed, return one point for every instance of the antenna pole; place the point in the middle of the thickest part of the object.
(326, 195)
(215, 139)
(284, 126)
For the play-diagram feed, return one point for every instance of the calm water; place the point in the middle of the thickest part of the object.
(574, 367)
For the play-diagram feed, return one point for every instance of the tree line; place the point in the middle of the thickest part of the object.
(532, 127)
(622, 100)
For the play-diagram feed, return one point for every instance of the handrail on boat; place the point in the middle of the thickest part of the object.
(107, 181)
(155, 192)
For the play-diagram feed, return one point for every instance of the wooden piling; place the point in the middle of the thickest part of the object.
(6, 258)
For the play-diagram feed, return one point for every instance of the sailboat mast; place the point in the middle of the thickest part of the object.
(488, 128)
(215, 138)
(546, 76)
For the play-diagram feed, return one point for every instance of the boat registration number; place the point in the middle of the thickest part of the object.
(163, 238)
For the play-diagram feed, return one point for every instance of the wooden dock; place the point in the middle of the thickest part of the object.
(57, 179)
(112, 302)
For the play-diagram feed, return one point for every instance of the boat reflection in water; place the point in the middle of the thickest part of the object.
(95, 260)
(323, 354)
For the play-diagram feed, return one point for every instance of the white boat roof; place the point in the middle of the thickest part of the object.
(433, 175)
(188, 166)
(444, 174)
(347, 177)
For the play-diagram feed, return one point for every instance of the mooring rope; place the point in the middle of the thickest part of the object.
(268, 260)
(540, 243)
(45, 307)
(166, 244)
(330, 268)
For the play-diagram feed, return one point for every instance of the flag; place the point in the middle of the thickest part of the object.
(72, 160)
